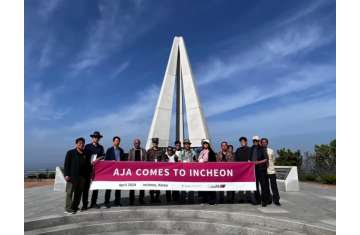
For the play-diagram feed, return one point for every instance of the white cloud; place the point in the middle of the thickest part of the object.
(275, 49)
(48, 7)
(45, 54)
(292, 119)
(126, 120)
(118, 70)
(304, 78)
(114, 29)
(39, 104)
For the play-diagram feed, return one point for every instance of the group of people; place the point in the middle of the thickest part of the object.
(79, 164)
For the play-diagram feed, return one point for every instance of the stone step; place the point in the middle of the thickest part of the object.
(160, 214)
(152, 226)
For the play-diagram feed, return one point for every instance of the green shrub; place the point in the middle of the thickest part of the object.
(310, 177)
(328, 179)
(51, 175)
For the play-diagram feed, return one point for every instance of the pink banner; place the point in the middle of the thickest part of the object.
(216, 176)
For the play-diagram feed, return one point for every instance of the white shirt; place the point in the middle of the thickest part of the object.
(271, 168)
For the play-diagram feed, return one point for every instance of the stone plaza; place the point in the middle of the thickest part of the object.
(312, 210)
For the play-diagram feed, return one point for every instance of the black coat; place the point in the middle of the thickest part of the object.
(110, 154)
(242, 154)
(73, 167)
(212, 156)
(261, 155)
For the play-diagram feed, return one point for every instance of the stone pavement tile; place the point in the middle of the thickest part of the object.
(272, 210)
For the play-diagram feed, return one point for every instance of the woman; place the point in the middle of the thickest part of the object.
(207, 155)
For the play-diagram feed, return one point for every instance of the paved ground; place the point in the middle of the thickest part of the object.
(315, 204)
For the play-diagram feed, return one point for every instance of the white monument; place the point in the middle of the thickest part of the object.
(178, 75)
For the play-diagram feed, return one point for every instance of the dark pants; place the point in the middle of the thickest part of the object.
(274, 188)
(189, 195)
(263, 181)
(208, 196)
(85, 195)
(74, 192)
(117, 196)
(94, 196)
(247, 197)
(132, 196)
(230, 196)
(168, 195)
(156, 192)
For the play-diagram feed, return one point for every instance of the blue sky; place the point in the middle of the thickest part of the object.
(262, 67)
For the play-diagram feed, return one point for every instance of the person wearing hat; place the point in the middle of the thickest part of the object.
(75, 172)
(271, 173)
(187, 154)
(137, 154)
(260, 157)
(155, 154)
(170, 156)
(224, 155)
(207, 155)
(93, 151)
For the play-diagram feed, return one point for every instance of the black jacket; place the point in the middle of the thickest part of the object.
(91, 149)
(110, 154)
(212, 156)
(73, 166)
(261, 155)
(242, 154)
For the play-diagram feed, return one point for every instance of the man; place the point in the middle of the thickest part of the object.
(231, 150)
(137, 154)
(177, 148)
(242, 154)
(225, 156)
(155, 154)
(114, 153)
(187, 155)
(75, 170)
(171, 157)
(271, 172)
(259, 156)
(94, 152)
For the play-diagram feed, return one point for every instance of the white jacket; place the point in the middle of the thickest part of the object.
(271, 168)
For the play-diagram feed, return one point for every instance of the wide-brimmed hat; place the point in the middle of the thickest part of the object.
(96, 134)
(255, 137)
(205, 141)
(155, 140)
(187, 141)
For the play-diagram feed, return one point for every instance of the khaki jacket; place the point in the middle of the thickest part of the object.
(229, 157)
(143, 154)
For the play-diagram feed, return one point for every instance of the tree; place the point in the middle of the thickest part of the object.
(325, 157)
(288, 158)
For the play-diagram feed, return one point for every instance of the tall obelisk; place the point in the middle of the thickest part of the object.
(178, 75)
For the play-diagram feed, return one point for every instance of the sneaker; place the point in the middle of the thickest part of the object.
(67, 212)
(277, 203)
(117, 204)
(94, 206)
